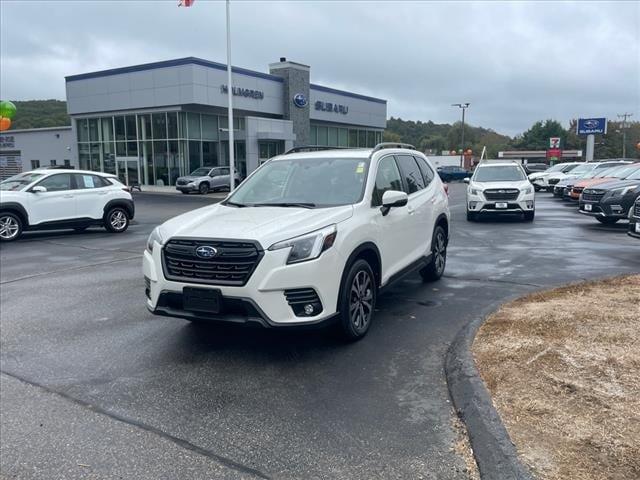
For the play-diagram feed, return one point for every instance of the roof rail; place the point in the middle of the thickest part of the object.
(312, 148)
(380, 146)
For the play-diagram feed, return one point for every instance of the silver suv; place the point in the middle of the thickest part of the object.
(206, 179)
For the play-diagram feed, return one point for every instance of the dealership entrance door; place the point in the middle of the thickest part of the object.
(269, 148)
(128, 170)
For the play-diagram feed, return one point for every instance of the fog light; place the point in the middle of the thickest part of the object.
(616, 208)
(529, 204)
(308, 309)
(472, 205)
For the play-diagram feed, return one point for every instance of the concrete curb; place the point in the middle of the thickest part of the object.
(493, 449)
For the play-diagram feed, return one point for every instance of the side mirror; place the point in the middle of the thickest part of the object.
(393, 198)
(466, 179)
(38, 189)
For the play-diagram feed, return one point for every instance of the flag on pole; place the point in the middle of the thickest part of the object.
(185, 3)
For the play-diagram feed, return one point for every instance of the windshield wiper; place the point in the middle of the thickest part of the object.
(234, 204)
(285, 204)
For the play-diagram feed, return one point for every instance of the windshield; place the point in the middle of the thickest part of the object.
(557, 168)
(19, 181)
(616, 172)
(568, 168)
(200, 172)
(316, 182)
(582, 169)
(501, 173)
(635, 175)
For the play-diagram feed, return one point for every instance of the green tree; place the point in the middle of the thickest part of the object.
(537, 137)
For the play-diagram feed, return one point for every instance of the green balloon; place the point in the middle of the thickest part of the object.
(7, 109)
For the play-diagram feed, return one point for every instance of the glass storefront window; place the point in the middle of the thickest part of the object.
(173, 162)
(159, 121)
(160, 161)
(194, 155)
(93, 130)
(147, 162)
(145, 127)
(108, 157)
(172, 124)
(209, 154)
(343, 137)
(362, 138)
(107, 129)
(313, 135)
(132, 149)
(193, 125)
(120, 132)
(333, 137)
(130, 121)
(209, 127)
(121, 149)
(95, 157)
(371, 138)
(323, 136)
(353, 138)
(83, 130)
(84, 156)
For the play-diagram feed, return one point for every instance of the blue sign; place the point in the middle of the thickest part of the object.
(590, 126)
(300, 100)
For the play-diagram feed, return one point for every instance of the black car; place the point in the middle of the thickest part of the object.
(449, 173)
(634, 220)
(611, 201)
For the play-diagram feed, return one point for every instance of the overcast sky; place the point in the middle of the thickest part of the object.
(515, 62)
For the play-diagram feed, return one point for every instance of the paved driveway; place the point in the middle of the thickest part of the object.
(93, 386)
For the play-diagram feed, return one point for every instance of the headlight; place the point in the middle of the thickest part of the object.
(308, 246)
(621, 192)
(528, 191)
(191, 184)
(474, 191)
(154, 237)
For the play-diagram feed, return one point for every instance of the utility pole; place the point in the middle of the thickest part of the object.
(232, 169)
(463, 106)
(623, 127)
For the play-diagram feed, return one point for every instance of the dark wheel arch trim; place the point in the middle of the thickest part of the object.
(357, 252)
(18, 209)
(127, 205)
(444, 222)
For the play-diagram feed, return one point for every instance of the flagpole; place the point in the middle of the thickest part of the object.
(232, 174)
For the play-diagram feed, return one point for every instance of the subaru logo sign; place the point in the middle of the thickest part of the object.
(591, 126)
(591, 123)
(300, 100)
(206, 251)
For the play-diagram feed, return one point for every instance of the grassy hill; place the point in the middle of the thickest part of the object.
(40, 113)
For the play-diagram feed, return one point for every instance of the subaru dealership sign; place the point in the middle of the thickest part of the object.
(590, 126)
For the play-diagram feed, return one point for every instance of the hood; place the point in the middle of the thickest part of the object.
(535, 175)
(587, 182)
(267, 225)
(612, 184)
(10, 195)
(486, 185)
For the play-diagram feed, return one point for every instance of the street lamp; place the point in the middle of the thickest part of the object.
(463, 106)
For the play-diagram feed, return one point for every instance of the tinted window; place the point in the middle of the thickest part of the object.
(387, 178)
(89, 181)
(411, 173)
(427, 173)
(56, 183)
(224, 171)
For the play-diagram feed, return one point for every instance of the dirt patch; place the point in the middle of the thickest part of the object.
(462, 447)
(563, 369)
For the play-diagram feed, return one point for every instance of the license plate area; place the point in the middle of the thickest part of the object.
(637, 227)
(204, 300)
(588, 207)
(501, 205)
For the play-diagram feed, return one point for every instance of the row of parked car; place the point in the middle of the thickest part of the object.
(608, 190)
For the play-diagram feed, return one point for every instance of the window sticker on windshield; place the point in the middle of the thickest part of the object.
(360, 168)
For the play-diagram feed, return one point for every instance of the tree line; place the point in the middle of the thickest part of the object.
(426, 136)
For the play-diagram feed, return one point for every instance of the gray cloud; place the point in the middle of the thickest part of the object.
(515, 62)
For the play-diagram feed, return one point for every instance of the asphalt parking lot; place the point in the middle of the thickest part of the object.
(93, 386)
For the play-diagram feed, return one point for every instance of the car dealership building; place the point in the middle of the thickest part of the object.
(151, 123)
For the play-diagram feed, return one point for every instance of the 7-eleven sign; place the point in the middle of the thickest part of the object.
(554, 142)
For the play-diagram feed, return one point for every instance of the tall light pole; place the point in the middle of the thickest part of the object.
(623, 127)
(463, 106)
(232, 170)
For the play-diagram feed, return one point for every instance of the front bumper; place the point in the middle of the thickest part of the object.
(187, 188)
(261, 300)
(608, 209)
(477, 205)
(634, 227)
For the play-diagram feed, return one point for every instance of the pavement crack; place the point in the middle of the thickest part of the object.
(80, 267)
(227, 462)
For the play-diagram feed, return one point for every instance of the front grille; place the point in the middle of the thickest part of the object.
(553, 181)
(233, 263)
(592, 196)
(501, 194)
(577, 190)
(182, 182)
(636, 210)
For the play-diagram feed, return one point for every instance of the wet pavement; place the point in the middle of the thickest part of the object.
(93, 386)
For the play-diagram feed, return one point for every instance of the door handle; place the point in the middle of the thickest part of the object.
(410, 210)
(68, 196)
(102, 193)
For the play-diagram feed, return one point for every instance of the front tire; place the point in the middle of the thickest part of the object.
(529, 216)
(435, 269)
(116, 220)
(357, 301)
(471, 216)
(203, 188)
(10, 227)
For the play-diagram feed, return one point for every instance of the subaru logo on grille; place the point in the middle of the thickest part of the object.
(206, 251)
(502, 191)
(300, 100)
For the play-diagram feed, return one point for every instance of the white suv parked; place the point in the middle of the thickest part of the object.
(500, 187)
(58, 199)
(308, 237)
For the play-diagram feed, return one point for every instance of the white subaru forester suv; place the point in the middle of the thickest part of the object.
(307, 238)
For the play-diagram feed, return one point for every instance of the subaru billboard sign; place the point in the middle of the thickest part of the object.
(590, 126)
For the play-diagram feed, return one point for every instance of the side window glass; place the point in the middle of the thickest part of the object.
(57, 183)
(84, 181)
(427, 173)
(411, 173)
(224, 171)
(387, 178)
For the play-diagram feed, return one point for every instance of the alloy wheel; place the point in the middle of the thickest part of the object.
(9, 227)
(361, 301)
(118, 220)
(440, 252)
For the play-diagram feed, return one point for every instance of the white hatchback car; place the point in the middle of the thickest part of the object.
(60, 199)
(500, 187)
(308, 237)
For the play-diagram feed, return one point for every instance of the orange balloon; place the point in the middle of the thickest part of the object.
(638, 145)
(5, 124)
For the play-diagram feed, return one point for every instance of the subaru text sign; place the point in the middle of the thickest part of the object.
(590, 126)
